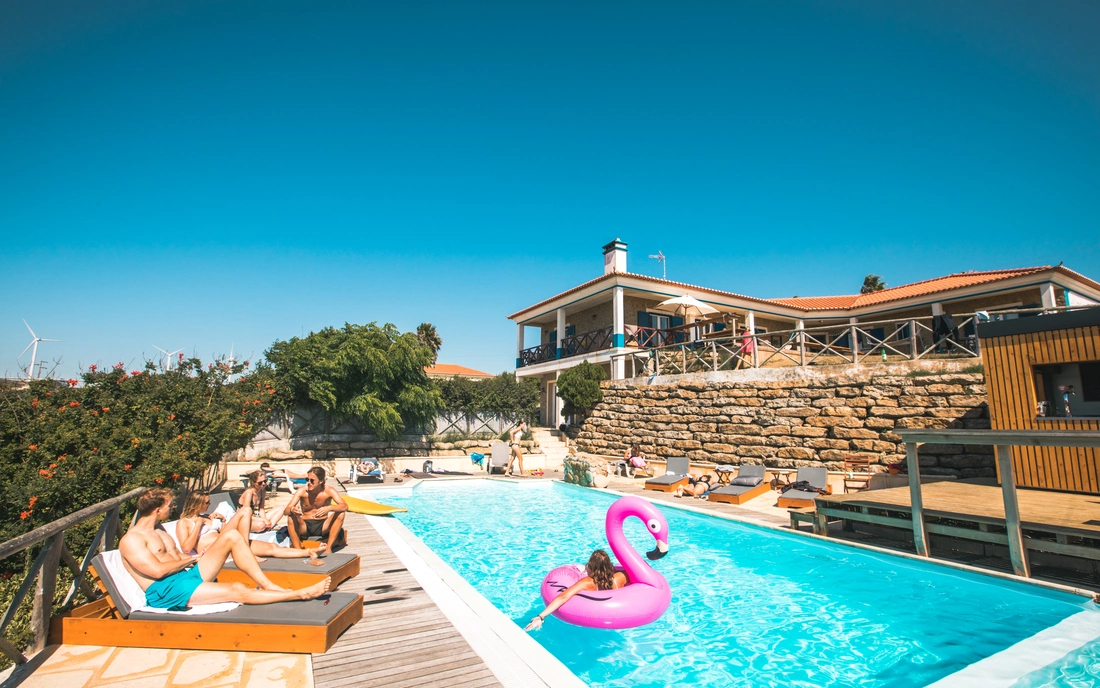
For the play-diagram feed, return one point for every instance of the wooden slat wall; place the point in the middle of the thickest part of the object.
(1010, 386)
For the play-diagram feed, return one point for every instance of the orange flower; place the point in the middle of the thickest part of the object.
(106, 409)
(135, 441)
(24, 515)
(160, 481)
(73, 383)
(33, 501)
(34, 403)
(53, 465)
(171, 416)
(175, 476)
(74, 404)
(45, 474)
(156, 408)
(33, 447)
(127, 466)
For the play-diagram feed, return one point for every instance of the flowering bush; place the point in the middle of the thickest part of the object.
(66, 445)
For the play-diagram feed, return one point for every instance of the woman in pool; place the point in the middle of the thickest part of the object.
(195, 531)
(601, 576)
(696, 487)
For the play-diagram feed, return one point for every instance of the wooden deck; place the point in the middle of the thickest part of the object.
(404, 640)
(982, 501)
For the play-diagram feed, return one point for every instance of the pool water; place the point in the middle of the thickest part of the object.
(750, 606)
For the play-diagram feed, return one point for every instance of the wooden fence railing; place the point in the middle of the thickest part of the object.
(43, 572)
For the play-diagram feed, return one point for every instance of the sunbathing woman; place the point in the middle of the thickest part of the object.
(254, 498)
(196, 532)
(601, 576)
(696, 487)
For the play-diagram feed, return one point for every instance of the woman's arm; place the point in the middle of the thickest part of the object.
(187, 531)
(564, 596)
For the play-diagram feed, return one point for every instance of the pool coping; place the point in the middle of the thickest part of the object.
(524, 663)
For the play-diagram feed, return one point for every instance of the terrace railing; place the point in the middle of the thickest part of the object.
(538, 354)
(43, 573)
(667, 352)
(586, 342)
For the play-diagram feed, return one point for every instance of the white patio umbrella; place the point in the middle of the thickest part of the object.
(684, 306)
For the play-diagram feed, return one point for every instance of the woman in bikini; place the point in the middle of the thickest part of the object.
(195, 531)
(254, 498)
(696, 487)
(516, 451)
(601, 576)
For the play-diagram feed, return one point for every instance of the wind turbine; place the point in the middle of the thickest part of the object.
(33, 346)
(167, 365)
(660, 258)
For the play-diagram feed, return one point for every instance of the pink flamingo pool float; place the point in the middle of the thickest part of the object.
(642, 600)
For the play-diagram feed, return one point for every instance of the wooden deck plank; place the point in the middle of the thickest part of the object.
(404, 639)
(1039, 509)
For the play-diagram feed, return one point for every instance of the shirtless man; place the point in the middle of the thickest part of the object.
(172, 579)
(315, 510)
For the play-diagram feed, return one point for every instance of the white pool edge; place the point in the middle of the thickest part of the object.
(1046, 647)
(516, 659)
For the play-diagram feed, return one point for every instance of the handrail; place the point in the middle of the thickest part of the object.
(22, 542)
(45, 567)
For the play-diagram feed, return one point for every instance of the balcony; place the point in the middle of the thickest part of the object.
(573, 345)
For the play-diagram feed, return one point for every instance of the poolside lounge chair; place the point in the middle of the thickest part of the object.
(366, 469)
(676, 474)
(795, 499)
(298, 627)
(498, 458)
(748, 484)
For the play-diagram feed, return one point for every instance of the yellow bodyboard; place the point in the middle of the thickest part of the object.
(365, 506)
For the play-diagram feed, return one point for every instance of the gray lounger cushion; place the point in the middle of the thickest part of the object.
(732, 490)
(817, 477)
(677, 468)
(800, 494)
(309, 613)
(332, 562)
(751, 472)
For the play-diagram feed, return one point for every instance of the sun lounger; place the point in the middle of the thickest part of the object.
(498, 458)
(366, 469)
(676, 474)
(298, 627)
(795, 499)
(289, 573)
(748, 484)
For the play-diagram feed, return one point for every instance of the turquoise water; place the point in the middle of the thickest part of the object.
(1078, 669)
(750, 607)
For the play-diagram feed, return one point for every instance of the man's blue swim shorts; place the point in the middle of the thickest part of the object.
(174, 591)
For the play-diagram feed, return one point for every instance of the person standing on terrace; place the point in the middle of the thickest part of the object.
(316, 510)
(516, 451)
(172, 579)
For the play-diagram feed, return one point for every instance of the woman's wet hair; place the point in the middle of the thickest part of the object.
(600, 569)
(192, 506)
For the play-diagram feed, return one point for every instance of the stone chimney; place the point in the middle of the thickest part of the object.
(614, 257)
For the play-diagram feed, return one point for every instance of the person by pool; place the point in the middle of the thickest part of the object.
(696, 487)
(172, 579)
(601, 576)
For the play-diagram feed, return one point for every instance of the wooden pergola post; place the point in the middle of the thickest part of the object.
(920, 533)
(1016, 550)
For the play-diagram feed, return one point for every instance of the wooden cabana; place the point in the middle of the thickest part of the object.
(1043, 373)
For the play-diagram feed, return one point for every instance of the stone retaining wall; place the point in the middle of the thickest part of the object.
(803, 418)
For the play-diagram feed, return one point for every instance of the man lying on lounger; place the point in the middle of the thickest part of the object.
(172, 579)
(315, 510)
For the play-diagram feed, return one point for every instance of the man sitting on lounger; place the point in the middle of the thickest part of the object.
(316, 510)
(172, 579)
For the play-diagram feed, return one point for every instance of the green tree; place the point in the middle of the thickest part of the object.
(579, 388)
(503, 395)
(872, 283)
(427, 336)
(370, 373)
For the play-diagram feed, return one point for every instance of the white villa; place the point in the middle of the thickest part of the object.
(612, 319)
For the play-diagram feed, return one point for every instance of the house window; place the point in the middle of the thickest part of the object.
(660, 322)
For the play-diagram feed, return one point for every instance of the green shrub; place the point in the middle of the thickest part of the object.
(579, 388)
(503, 395)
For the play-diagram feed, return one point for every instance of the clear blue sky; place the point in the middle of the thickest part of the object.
(200, 174)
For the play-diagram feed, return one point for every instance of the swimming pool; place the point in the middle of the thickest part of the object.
(750, 606)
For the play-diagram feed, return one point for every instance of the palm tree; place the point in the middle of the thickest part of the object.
(872, 283)
(427, 336)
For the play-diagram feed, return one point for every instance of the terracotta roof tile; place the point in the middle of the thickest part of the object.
(450, 369)
(848, 301)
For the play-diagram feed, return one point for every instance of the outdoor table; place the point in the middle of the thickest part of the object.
(782, 477)
(725, 473)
